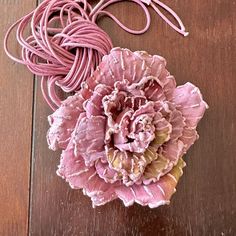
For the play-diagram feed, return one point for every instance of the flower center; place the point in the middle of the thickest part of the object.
(139, 132)
(130, 121)
(135, 128)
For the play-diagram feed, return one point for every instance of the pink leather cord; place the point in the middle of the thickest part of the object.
(65, 45)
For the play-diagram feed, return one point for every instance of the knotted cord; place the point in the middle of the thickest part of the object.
(65, 44)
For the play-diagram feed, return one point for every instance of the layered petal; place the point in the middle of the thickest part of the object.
(130, 166)
(173, 150)
(189, 136)
(93, 106)
(189, 102)
(73, 169)
(155, 194)
(122, 64)
(64, 119)
(89, 138)
(156, 169)
(163, 130)
(177, 122)
(108, 174)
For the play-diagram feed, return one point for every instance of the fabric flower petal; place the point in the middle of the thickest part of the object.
(123, 64)
(155, 194)
(73, 169)
(189, 136)
(89, 138)
(188, 100)
(93, 106)
(156, 169)
(163, 130)
(177, 122)
(105, 172)
(64, 119)
(173, 150)
(129, 165)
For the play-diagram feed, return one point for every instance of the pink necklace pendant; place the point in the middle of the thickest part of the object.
(124, 132)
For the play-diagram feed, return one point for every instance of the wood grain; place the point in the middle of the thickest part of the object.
(205, 200)
(203, 204)
(16, 94)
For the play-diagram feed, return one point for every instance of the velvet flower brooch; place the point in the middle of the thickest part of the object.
(124, 134)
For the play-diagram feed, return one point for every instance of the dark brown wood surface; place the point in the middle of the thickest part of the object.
(35, 201)
(16, 94)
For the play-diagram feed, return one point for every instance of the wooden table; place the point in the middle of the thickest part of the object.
(34, 200)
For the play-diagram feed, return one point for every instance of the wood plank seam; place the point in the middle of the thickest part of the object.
(32, 153)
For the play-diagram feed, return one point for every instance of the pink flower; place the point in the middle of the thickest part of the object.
(125, 132)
